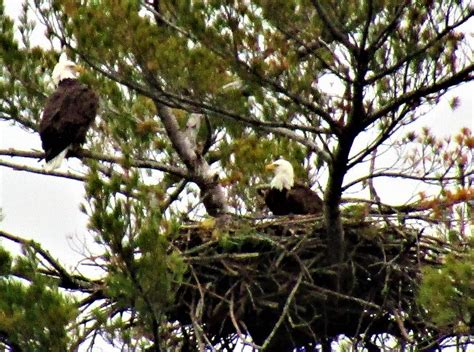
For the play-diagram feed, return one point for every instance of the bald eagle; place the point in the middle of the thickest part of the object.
(285, 197)
(67, 115)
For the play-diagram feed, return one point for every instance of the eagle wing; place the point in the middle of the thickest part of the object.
(299, 199)
(303, 200)
(277, 201)
(67, 116)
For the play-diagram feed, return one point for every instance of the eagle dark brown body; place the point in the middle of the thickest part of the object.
(298, 200)
(67, 116)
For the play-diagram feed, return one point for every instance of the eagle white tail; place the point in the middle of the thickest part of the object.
(56, 162)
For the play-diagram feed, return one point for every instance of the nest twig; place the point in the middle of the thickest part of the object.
(270, 279)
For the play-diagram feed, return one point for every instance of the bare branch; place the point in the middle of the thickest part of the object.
(34, 170)
(412, 96)
(401, 326)
(164, 20)
(312, 146)
(406, 176)
(237, 328)
(68, 281)
(85, 154)
(385, 134)
(310, 48)
(212, 193)
(284, 312)
(334, 127)
(368, 22)
(330, 24)
(385, 32)
(416, 53)
(173, 196)
(177, 137)
(24, 122)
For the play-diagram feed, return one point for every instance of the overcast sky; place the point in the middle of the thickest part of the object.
(46, 209)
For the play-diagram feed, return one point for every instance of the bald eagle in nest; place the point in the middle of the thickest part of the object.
(67, 115)
(285, 197)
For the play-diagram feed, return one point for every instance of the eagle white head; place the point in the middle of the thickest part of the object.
(64, 69)
(284, 174)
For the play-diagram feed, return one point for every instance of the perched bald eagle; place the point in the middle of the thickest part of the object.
(285, 197)
(67, 115)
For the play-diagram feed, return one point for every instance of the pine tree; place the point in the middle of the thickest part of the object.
(196, 97)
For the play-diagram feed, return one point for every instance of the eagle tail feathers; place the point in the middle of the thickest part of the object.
(56, 162)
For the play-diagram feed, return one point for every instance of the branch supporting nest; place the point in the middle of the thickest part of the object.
(271, 280)
(270, 283)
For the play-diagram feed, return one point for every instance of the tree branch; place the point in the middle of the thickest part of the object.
(312, 146)
(85, 154)
(455, 79)
(385, 32)
(160, 94)
(68, 281)
(334, 128)
(284, 312)
(173, 196)
(405, 176)
(329, 23)
(414, 54)
(212, 193)
(178, 139)
(401, 326)
(386, 133)
(25, 123)
(368, 22)
(67, 175)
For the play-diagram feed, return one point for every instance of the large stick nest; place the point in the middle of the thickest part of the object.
(272, 280)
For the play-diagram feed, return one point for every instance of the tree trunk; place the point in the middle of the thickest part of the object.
(212, 193)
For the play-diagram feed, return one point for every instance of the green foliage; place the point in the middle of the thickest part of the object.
(182, 54)
(142, 271)
(5, 261)
(447, 293)
(34, 314)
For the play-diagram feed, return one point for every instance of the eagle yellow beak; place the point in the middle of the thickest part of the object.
(80, 69)
(270, 167)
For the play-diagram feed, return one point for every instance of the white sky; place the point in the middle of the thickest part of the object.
(46, 209)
